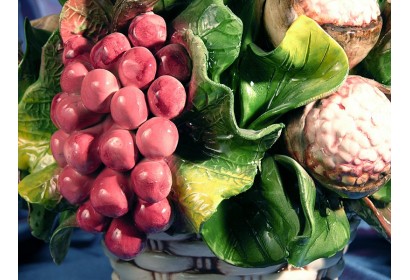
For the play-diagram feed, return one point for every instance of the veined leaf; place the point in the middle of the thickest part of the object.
(253, 228)
(29, 66)
(216, 159)
(251, 13)
(218, 27)
(306, 66)
(279, 219)
(89, 18)
(326, 231)
(41, 187)
(34, 124)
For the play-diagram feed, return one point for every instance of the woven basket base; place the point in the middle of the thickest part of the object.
(185, 256)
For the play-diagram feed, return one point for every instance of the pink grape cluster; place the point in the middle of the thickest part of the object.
(115, 130)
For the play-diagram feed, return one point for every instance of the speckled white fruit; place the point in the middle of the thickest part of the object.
(344, 140)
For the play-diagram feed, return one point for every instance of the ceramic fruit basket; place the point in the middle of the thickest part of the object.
(208, 138)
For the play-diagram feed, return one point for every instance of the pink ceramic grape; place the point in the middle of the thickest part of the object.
(157, 138)
(69, 113)
(117, 149)
(109, 193)
(57, 141)
(81, 151)
(90, 220)
(123, 239)
(148, 30)
(153, 217)
(129, 108)
(108, 50)
(72, 77)
(166, 97)
(174, 60)
(137, 67)
(74, 47)
(74, 186)
(97, 89)
(151, 180)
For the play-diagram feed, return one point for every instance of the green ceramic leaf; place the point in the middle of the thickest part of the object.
(378, 62)
(307, 65)
(253, 228)
(29, 66)
(383, 195)
(40, 187)
(218, 27)
(216, 159)
(279, 219)
(34, 124)
(169, 5)
(326, 231)
(375, 210)
(61, 238)
(41, 221)
(251, 13)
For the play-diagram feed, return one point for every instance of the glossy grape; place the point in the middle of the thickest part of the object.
(90, 220)
(123, 239)
(157, 138)
(72, 77)
(108, 50)
(174, 60)
(129, 108)
(70, 114)
(151, 180)
(97, 89)
(109, 193)
(148, 30)
(117, 149)
(54, 102)
(74, 47)
(81, 151)
(137, 67)
(166, 97)
(153, 217)
(74, 186)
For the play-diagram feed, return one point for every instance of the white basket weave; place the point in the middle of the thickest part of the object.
(185, 256)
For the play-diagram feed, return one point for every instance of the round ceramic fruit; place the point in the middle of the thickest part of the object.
(344, 140)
